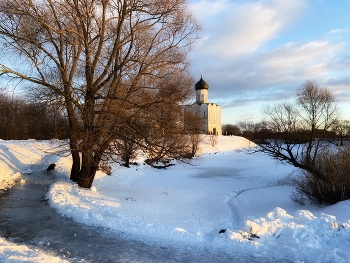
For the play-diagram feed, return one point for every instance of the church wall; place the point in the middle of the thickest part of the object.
(211, 115)
(214, 118)
(203, 112)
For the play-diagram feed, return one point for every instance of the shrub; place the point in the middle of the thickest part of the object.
(334, 166)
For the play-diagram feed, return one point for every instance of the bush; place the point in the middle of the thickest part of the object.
(334, 166)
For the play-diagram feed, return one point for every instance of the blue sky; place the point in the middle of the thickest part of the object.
(258, 52)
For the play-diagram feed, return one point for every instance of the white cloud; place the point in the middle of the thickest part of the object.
(233, 29)
(274, 74)
(299, 60)
(338, 31)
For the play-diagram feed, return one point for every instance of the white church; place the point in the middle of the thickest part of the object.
(209, 112)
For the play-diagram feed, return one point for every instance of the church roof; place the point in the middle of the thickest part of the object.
(201, 84)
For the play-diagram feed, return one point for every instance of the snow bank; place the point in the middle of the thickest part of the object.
(302, 236)
(10, 252)
(16, 158)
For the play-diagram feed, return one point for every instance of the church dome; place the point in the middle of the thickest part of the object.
(201, 84)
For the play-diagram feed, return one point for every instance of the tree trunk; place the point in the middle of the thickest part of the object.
(88, 170)
(86, 174)
(74, 173)
(73, 141)
(127, 161)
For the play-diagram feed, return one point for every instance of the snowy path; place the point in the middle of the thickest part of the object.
(26, 218)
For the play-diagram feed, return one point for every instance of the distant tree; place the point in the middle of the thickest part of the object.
(8, 112)
(21, 119)
(230, 129)
(106, 61)
(342, 129)
(300, 131)
(250, 130)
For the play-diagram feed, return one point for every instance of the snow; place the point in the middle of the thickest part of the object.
(227, 199)
(10, 252)
(16, 157)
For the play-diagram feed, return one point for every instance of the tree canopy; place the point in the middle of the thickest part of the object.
(111, 63)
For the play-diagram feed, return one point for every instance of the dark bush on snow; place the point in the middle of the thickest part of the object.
(334, 166)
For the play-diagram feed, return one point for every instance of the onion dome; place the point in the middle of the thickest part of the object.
(201, 84)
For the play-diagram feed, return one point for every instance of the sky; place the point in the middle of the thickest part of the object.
(254, 53)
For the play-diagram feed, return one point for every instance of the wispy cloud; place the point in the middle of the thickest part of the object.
(238, 29)
(276, 69)
(338, 31)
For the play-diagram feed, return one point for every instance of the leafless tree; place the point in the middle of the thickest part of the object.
(106, 60)
(193, 124)
(213, 139)
(342, 129)
(297, 132)
(21, 119)
(229, 129)
(334, 164)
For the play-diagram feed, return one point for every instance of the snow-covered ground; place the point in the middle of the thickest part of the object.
(226, 199)
(10, 252)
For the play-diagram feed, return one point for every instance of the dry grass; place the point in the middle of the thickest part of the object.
(334, 165)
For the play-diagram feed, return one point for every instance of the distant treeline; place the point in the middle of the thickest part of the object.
(338, 133)
(300, 136)
(21, 119)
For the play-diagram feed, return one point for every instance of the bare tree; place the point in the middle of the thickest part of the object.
(106, 60)
(334, 164)
(342, 129)
(230, 129)
(193, 124)
(213, 139)
(297, 132)
(21, 119)
(318, 112)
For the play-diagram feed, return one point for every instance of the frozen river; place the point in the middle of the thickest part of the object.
(26, 218)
